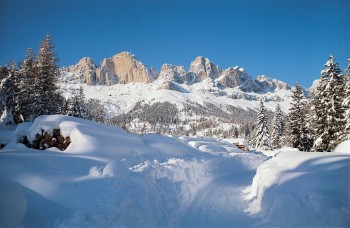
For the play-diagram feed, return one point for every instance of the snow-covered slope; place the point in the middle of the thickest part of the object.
(204, 82)
(107, 177)
(302, 189)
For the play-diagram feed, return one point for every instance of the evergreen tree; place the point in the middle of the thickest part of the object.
(47, 96)
(307, 131)
(346, 103)
(96, 110)
(77, 105)
(296, 120)
(262, 135)
(277, 128)
(7, 91)
(235, 132)
(25, 93)
(329, 112)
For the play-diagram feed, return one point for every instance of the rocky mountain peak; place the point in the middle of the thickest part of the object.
(234, 77)
(87, 62)
(270, 84)
(203, 68)
(173, 73)
(124, 68)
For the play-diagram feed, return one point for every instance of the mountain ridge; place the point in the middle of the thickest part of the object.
(125, 68)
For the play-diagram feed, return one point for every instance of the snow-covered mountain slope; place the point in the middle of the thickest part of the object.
(204, 82)
(204, 93)
(107, 177)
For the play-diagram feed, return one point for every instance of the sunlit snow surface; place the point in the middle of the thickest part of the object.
(108, 177)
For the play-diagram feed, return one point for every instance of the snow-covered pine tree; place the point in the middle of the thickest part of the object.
(235, 132)
(277, 128)
(25, 91)
(307, 130)
(7, 91)
(262, 135)
(3, 75)
(77, 105)
(96, 110)
(296, 119)
(329, 112)
(346, 103)
(48, 98)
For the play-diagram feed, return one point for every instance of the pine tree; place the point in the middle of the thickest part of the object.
(77, 105)
(47, 94)
(307, 131)
(262, 135)
(329, 112)
(25, 93)
(96, 110)
(346, 103)
(296, 119)
(277, 128)
(7, 91)
(235, 132)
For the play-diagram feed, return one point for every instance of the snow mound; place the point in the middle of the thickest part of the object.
(302, 189)
(343, 147)
(108, 177)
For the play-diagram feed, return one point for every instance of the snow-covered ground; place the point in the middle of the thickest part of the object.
(121, 98)
(107, 177)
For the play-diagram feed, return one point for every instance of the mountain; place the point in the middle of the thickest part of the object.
(125, 68)
(122, 68)
(204, 98)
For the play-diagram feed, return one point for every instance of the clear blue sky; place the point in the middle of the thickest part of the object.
(286, 39)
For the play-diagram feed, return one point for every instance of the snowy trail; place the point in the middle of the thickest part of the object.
(110, 178)
(220, 203)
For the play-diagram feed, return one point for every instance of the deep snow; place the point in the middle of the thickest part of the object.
(108, 177)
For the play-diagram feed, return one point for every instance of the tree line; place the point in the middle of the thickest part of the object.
(31, 89)
(317, 124)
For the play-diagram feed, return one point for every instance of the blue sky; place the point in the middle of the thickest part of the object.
(289, 40)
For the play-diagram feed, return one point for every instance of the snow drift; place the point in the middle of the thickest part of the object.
(108, 177)
(302, 189)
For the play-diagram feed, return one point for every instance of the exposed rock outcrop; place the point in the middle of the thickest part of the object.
(173, 73)
(237, 77)
(84, 71)
(123, 68)
(269, 84)
(203, 68)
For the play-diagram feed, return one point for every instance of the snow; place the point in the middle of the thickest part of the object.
(343, 147)
(108, 177)
(301, 189)
(121, 98)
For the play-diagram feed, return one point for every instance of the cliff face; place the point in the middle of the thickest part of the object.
(173, 73)
(84, 70)
(121, 68)
(125, 68)
(237, 77)
(202, 68)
